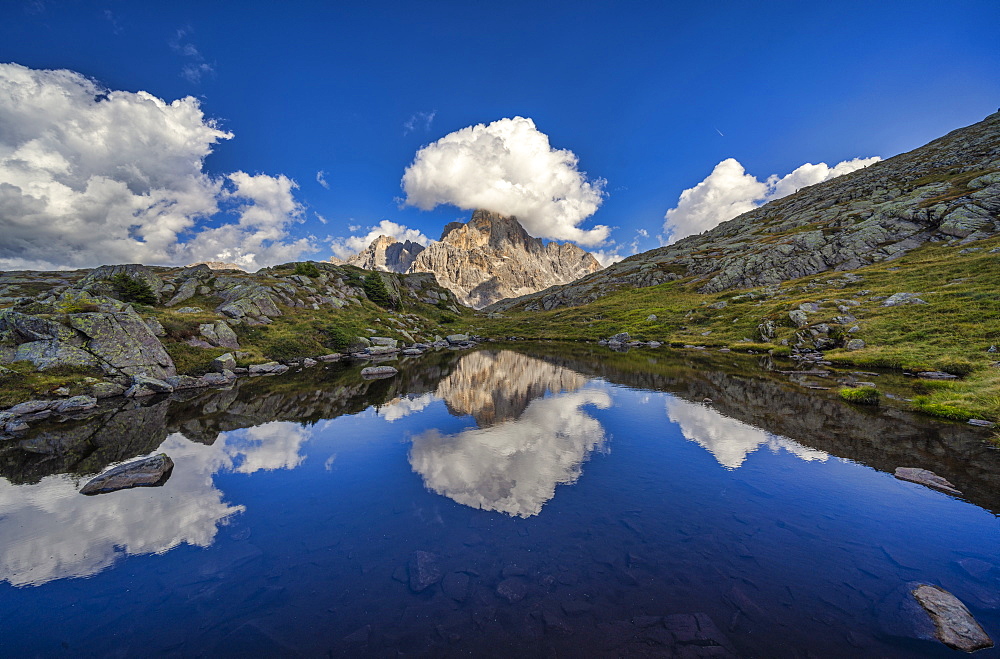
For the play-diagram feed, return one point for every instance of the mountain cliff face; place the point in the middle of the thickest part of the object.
(388, 254)
(948, 190)
(485, 260)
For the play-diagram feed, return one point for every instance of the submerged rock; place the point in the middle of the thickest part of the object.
(955, 626)
(424, 570)
(148, 472)
(926, 478)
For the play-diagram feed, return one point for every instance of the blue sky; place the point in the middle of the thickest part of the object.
(650, 97)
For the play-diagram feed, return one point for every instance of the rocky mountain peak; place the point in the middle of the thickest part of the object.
(484, 260)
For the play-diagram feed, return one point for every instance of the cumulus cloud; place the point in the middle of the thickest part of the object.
(508, 167)
(346, 247)
(730, 191)
(91, 176)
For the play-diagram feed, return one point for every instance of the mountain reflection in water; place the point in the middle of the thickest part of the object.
(321, 514)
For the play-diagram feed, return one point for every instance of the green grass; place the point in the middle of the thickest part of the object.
(25, 383)
(951, 333)
(861, 395)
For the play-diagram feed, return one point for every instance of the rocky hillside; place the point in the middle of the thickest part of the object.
(947, 191)
(112, 328)
(485, 260)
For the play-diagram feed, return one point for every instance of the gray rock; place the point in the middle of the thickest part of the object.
(189, 310)
(307, 362)
(854, 344)
(936, 375)
(123, 342)
(651, 317)
(270, 368)
(798, 317)
(424, 570)
(384, 341)
(76, 404)
(377, 372)
(31, 407)
(187, 290)
(412, 352)
(148, 472)
(102, 390)
(898, 299)
(219, 334)
(179, 382)
(381, 350)
(155, 326)
(926, 478)
(457, 338)
(217, 379)
(143, 385)
(359, 344)
(621, 337)
(982, 423)
(333, 357)
(955, 626)
(721, 304)
(809, 307)
(226, 362)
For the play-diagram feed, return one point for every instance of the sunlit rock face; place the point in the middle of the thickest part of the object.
(498, 386)
(49, 531)
(728, 440)
(525, 444)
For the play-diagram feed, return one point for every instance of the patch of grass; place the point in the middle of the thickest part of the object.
(24, 383)
(190, 360)
(306, 268)
(861, 395)
(928, 405)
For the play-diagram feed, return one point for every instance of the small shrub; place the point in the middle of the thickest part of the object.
(336, 338)
(307, 268)
(861, 395)
(132, 290)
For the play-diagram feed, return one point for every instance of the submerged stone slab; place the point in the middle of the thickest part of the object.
(148, 472)
(424, 570)
(955, 626)
(926, 478)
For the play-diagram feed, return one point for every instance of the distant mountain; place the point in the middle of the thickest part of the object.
(485, 260)
(948, 190)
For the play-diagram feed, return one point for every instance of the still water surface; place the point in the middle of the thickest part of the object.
(537, 502)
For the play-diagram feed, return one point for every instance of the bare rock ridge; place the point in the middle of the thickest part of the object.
(487, 259)
(947, 190)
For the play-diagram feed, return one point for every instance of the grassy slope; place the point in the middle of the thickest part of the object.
(951, 333)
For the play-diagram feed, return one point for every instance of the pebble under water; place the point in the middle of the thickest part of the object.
(530, 501)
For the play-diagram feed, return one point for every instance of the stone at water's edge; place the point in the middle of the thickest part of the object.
(955, 626)
(378, 372)
(926, 478)
(148, 472)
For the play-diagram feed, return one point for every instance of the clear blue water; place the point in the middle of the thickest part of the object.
(564, 514)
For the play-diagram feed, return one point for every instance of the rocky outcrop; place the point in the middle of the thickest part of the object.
(954, 625)
(388, 254)
(948, 190)
(487, 259)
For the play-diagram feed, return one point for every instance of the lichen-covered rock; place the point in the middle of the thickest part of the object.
(219, 334)
(75, 404)
(270, 368)
(124, 343)
(46, 355)
(226, 362)
(186, 291)
(143, 385)
(96, 280)
(101, 390)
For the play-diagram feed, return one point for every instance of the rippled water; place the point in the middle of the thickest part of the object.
(543, 502)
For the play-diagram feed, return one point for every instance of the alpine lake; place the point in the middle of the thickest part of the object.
(523, 499)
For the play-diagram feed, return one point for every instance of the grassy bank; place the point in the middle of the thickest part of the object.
(951, 332)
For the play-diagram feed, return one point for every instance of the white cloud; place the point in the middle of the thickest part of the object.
(730, 191)
(606, 256)
(345, 248)
(196, 68)
(422, 120)
(321, 179)
(401, 407)
(90, 176)
(508, 167)
(728, 440)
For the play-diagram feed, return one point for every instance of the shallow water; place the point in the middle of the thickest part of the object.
(567, 500)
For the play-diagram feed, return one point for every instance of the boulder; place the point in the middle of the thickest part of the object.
(217, 379)
(926, 478)
(31, 407)
(936, 375)
(384, 341)
(954, 625)
(329, 358)
(75, 404)
(651, 317)
(898, 299)
(123, 342)
(381, 350)
(46, 355)
(148, 472)
(219, 334)
(144, 385)
(376, 372)
(358, 344)
(226, 362)
(185, 292)
(179, 382)
(270, 368)
(454, 339)
(307, 362)
(854, 344)
(101, 390)
(798, 318)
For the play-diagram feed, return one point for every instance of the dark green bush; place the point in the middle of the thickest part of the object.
(283, 348)
(375, 289)
(132, 290)
(307, 268)
(336, 338)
